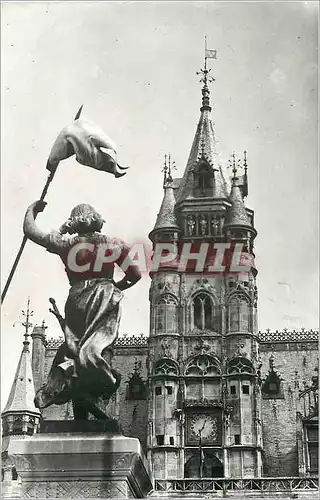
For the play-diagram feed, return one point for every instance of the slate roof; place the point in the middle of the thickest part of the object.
(22, 391)
(204, 145)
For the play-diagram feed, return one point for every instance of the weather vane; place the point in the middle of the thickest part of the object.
(208, 54)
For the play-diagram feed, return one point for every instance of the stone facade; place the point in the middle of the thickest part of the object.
(295, 359)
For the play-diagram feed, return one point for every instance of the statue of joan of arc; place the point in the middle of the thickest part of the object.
(82, 368)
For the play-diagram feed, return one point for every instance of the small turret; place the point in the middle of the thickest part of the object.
(20, 416)
(239, 221)
(166, 227)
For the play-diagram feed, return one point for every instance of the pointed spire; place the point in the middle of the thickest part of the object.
(21, 397)
(166, 218)
(237, 213)
(204, 145)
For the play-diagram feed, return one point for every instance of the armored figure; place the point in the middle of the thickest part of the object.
(81, 370)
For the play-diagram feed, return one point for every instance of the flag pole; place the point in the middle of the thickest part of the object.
(24, 240)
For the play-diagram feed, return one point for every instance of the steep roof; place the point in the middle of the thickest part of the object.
(22, 391)
(237, 214)
(166, 218)
(204, 146)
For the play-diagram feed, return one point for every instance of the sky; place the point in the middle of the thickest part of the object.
(133, 65)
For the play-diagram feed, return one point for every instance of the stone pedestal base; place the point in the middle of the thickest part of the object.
(80, 465)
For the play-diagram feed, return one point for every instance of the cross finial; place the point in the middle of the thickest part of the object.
(167, 170)
(235, 164)
(27, 323)
(245, 164)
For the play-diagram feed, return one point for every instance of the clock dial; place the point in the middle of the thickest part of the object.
(204, 426)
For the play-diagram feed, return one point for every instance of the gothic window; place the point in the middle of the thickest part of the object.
(160, 439)
(239, 314)
(136, 389)
(271, 387)
(203, 312)
(166, 367)
(166, 314)
(203, 464)
(203, 366)
(240, 365)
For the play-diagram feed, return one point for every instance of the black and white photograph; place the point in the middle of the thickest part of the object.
(159, 249)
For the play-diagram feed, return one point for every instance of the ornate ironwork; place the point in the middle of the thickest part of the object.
(203, 402)
(124, 341)
(288, 336)
(286, 484)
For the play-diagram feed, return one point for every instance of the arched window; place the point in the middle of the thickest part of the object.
(166, 367)
(136, 389)
(166, 314)
(202, 312)
(203, 464)
(240, 365)
(271, 387)
(203, 366)
(239, 314)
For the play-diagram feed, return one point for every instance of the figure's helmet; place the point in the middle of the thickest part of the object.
(83, 219)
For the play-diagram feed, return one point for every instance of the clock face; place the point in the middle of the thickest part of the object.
(204, 426)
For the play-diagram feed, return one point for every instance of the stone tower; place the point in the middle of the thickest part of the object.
(20, 417)
(204, 368)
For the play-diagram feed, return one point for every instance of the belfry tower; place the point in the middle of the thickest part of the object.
(204, 368)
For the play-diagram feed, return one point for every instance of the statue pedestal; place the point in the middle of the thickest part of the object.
(80, 465)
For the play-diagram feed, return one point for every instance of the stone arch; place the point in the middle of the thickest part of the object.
(166, 367)
(203, 365)
(203, 463)
(240, 365)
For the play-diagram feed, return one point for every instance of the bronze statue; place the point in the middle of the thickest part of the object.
(81, 370)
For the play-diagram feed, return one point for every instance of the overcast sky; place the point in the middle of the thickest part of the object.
(133, 66)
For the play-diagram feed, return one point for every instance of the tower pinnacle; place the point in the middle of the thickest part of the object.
(167, 170)
(27, 324)
(20, 416)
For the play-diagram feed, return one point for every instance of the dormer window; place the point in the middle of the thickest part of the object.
(203, 180)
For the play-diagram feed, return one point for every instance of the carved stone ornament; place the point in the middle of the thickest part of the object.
(202, 347)
(166, 352)
(203, 283)
(191, 225)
